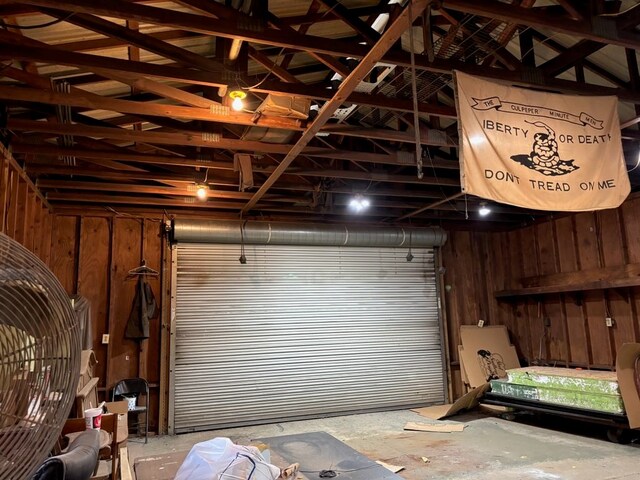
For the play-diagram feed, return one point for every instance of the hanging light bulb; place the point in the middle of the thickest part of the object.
(202, 188)
(202, 191)
(484, 210)
(238, 97)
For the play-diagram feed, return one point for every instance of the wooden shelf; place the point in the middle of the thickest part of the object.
(599, 285)
(623, 276)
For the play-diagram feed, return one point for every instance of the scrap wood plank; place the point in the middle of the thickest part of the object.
(431, 427)
(391, 468)
(125, 468)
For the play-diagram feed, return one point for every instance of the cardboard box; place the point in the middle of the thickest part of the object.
(628, 371)
(122, 409)
(486, 353)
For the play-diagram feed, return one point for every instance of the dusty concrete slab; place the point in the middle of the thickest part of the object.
(488, 448)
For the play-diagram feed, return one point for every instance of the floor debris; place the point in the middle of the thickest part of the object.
(430, 427)
(391, 468)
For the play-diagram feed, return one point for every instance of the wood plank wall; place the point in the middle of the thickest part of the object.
(24, 215)
(563, 329)
(91, 256)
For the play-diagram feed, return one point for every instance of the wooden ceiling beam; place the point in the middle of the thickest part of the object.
(558, 47)
(135, 81)
(567, 59)
(146, 42)
(27, 49)
(53, 55)
(629, 18)
(359, 26)
(110, 42)
(573, 12)
(39, 169)
(372, 177)
(187, 201)
(313, 152)
(277, 70)
(320, 17)
(392, 33)
(220, 115)
(203, 139)
(192, 202)
(231, 15)
(370, 100)
(14, 47)
(154, 190)
(379, 191)
(91, 154)
(431, 206)
(331, 62)
(234, 27)
(605, 30)
(483, 39)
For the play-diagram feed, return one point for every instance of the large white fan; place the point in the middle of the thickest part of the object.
(39, 360)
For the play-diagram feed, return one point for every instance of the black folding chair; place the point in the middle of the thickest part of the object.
(135, 387)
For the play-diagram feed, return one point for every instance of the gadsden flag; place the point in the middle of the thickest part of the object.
(539, 150)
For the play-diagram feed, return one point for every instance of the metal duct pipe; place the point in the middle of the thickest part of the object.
(264, 233)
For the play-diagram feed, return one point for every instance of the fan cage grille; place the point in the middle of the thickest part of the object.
(40, 350)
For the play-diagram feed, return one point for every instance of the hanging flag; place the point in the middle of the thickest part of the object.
(539, 150)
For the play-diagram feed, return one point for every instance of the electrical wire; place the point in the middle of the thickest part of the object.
(33, 27)
(275, 64)
(339, 471)
(414, 91)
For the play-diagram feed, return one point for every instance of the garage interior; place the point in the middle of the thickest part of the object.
(280, 182)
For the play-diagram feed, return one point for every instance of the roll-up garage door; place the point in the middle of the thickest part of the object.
(301, 331)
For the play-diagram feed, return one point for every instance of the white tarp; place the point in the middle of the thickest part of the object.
(539, 150)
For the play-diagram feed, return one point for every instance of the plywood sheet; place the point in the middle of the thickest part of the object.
(93, 281)
(64, 251)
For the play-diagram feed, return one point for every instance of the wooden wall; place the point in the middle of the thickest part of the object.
(91, 256)
(24, 214)
(562, 328)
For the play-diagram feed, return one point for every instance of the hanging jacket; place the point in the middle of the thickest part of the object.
(144, 308)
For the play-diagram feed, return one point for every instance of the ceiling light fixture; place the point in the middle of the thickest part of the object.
(484, 210)
(202, 188)
(238, 97)
(202, 191)
(359, 203)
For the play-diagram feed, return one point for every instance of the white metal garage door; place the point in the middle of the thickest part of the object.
(301, 331)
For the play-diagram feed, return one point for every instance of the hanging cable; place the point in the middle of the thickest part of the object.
(414, 91)
(466, 208)
(243, 258)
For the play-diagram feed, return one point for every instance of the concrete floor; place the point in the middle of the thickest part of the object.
(489, 447)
